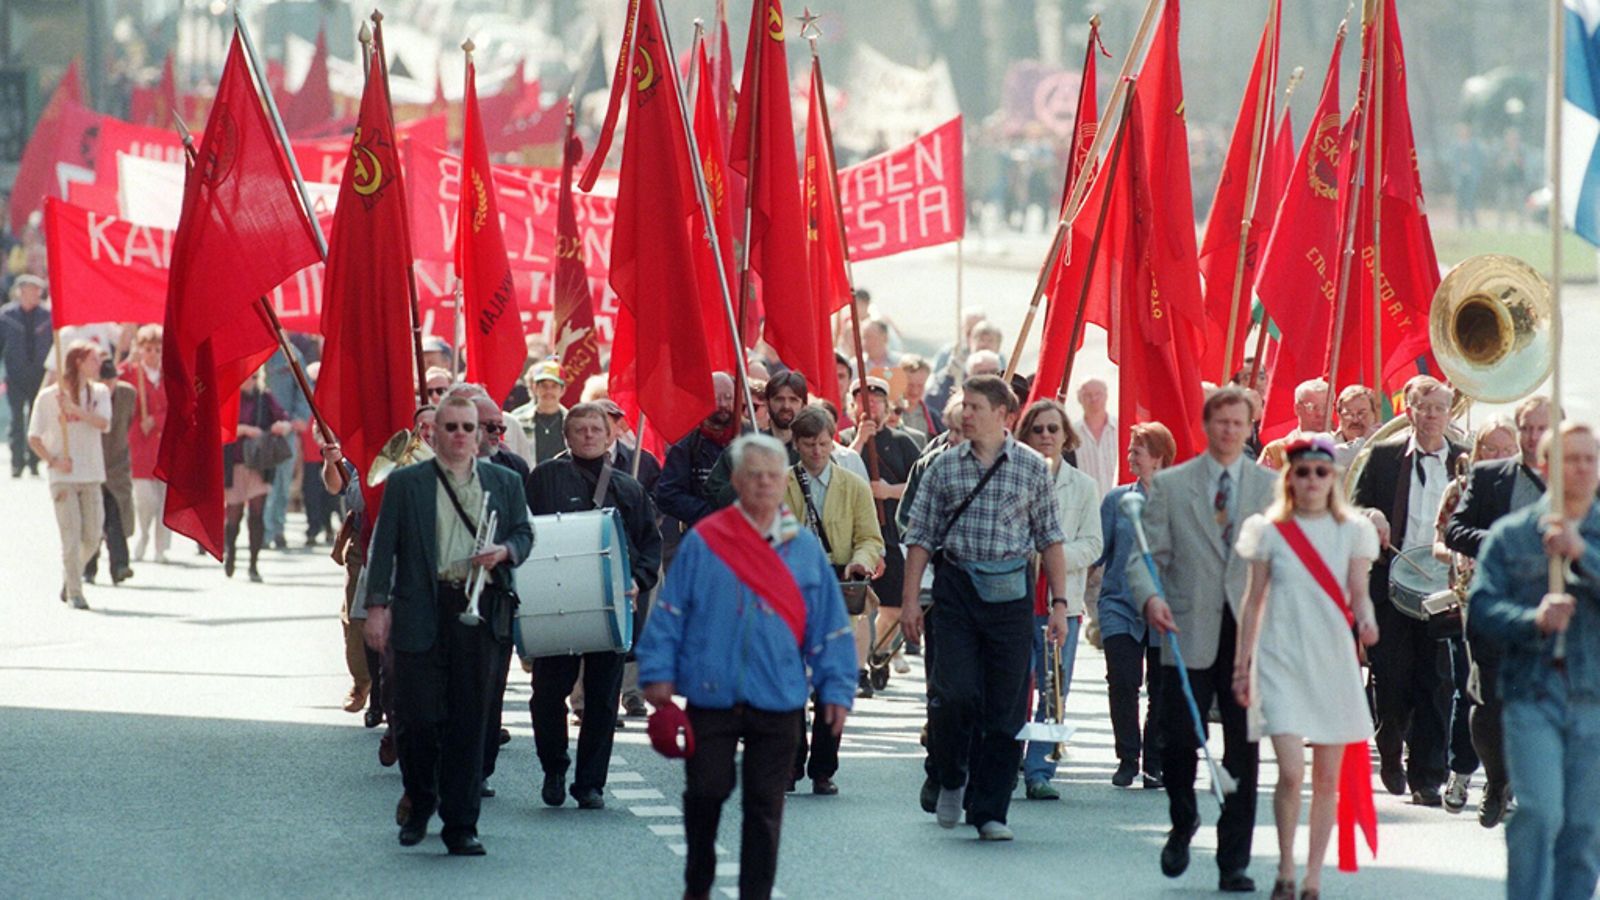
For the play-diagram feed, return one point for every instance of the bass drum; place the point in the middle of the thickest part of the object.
(573, 587)
(1414, 576)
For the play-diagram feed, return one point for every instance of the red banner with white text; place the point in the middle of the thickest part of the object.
(910, 197)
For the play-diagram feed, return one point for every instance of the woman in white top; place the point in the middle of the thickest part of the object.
(64, 430)
(1297, 669)
(1045, 428)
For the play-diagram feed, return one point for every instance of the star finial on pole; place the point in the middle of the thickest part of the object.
(808, 25)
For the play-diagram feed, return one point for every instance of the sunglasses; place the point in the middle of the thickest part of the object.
(494, 427)
(1308, 471)
(453, 427)
(1047, 429)
(436, 392)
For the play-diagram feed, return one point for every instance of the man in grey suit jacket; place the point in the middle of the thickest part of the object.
(1192, 518)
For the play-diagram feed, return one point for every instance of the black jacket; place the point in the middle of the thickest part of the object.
(506, 459)
(1485, 500)
(649, 466)
(25, 343)
(559, 486)
(681, 493)
(1385, 485)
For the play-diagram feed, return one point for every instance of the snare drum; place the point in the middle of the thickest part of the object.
(574, 586)
(1414, 575)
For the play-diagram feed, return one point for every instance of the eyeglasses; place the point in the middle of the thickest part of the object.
(453, 427)
(494, 427)
(436, 391)
(1047, 429)
(1308, 471)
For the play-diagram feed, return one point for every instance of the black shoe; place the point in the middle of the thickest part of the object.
(16, 473)
(374, 717)
(794, 783)
(589, 799)
(118, 576)
(311, 541)
(1393, 778)
(255, 577)
(929, 797)
(1152, 780)
(227, 565)
(1235, 883)
(554, 792)
(1427, 796)
(486, 791)
(864, 686)
(1175, 855)
(1123, 777)
(913, 649)
(634, 708)
(402, 810)
(1492, 807)
(824, 787)
(467, 846)
(505, 737)
(414, 830)
(280, 543)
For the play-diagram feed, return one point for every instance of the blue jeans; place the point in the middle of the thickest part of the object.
(1036, 766)
(277, 512)
(1552, 754)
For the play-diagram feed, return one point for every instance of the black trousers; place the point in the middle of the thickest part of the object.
(116, 540)
(1180, 747)
(553, 680)
(319, 503)
(1408, 673)
(984, 651)
(1130, 664)
(1488, 729)
(497, 709)
(441, 697)
(769, 739)
(1463, 756)
(823, 749)
(20, 396)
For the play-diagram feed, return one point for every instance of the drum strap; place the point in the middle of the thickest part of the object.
(1356, 809)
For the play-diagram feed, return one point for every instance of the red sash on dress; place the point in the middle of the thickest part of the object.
(1355, 772)
(757, 566)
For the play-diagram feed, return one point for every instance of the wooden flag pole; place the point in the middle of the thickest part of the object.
(61, 396)
(1264, 93)
(405, 221)
(1556, 575)
(1261, 332)
(704, 197)
(1347, 241)
(1080, 187)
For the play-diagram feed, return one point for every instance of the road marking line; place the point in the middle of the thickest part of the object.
(655, 811)
(637, 794)
(624, 777)
(667, 830)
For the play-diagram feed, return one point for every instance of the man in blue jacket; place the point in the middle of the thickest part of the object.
(1551, 705)
(748, 606)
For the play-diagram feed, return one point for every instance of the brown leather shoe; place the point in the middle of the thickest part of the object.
(356, 700)
(402, 810)
(387, 754)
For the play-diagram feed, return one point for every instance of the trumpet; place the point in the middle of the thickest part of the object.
(487, 520)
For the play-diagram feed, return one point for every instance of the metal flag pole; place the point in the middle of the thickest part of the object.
(1556, 478)
(704, 197)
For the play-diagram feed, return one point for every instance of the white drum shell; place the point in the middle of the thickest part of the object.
(573, 586)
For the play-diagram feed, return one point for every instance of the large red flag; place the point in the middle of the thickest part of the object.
(366, 387)
(577, 345)
(57, 136)
(1219, 251)
(495, 346)
(242, 232)
(1300, 267)
(309, 109)
(825, 248)
(777, 248)
(1066, 282)
(659, 362)
(710, 138)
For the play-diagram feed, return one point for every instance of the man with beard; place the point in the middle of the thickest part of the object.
(896, 453)
(786, 394)
(681, 493)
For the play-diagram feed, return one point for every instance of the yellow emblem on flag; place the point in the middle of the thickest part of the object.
(480, 207)
(367, 172)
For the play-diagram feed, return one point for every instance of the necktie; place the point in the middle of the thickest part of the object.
(1422, 471)
(1221, 504)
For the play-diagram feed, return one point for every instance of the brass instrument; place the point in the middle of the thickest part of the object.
(402, 449)
(1490, 327)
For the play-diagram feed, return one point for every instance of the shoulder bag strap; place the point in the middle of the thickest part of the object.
(970, 497)
(811, 507)
(450, 492)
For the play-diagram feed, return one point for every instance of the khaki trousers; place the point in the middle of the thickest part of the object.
(80, 517)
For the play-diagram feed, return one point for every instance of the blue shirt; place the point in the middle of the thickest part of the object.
(1118, 615)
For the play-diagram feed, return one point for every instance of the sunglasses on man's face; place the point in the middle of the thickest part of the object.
(453, 427)
(1052, 428)
(1308, 471)
(494, 427)
(436, 391)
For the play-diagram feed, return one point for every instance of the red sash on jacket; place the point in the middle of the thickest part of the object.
(757, 566)
(1355, 772)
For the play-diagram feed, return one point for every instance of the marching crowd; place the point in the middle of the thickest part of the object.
(784, 568)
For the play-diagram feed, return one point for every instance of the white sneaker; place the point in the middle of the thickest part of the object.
(901, 667)
(948, 809)
(1455, 792)
(994, 831)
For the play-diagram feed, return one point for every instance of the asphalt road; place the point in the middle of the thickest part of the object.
(184, 738)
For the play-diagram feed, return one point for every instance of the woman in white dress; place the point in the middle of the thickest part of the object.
(1297, 668)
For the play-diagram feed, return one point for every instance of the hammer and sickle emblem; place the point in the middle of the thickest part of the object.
(644, 70)
(367, 169)
(774, 24)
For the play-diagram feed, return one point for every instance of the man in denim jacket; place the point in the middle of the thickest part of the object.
(1552, 706)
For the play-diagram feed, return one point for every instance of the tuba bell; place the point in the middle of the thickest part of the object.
(403, 448)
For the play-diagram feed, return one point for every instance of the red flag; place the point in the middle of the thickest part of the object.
(309, 109)
(1300, 266)
(1275, 169)
(241, 233)
(763, 151)
(60, 135)
(1219, 252)
(1410, 266)
(1066, 282)
(825, 252)
(153, 106)
(710, 138)
(495, 346)
(572, 306)
(366, 389)
(722, 96)
(659, 362)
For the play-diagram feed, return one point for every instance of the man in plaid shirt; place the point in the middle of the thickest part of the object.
(984, 596)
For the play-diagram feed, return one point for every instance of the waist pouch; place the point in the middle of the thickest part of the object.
(998, 580)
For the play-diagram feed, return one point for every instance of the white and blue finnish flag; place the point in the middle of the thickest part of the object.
(1580, 121)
